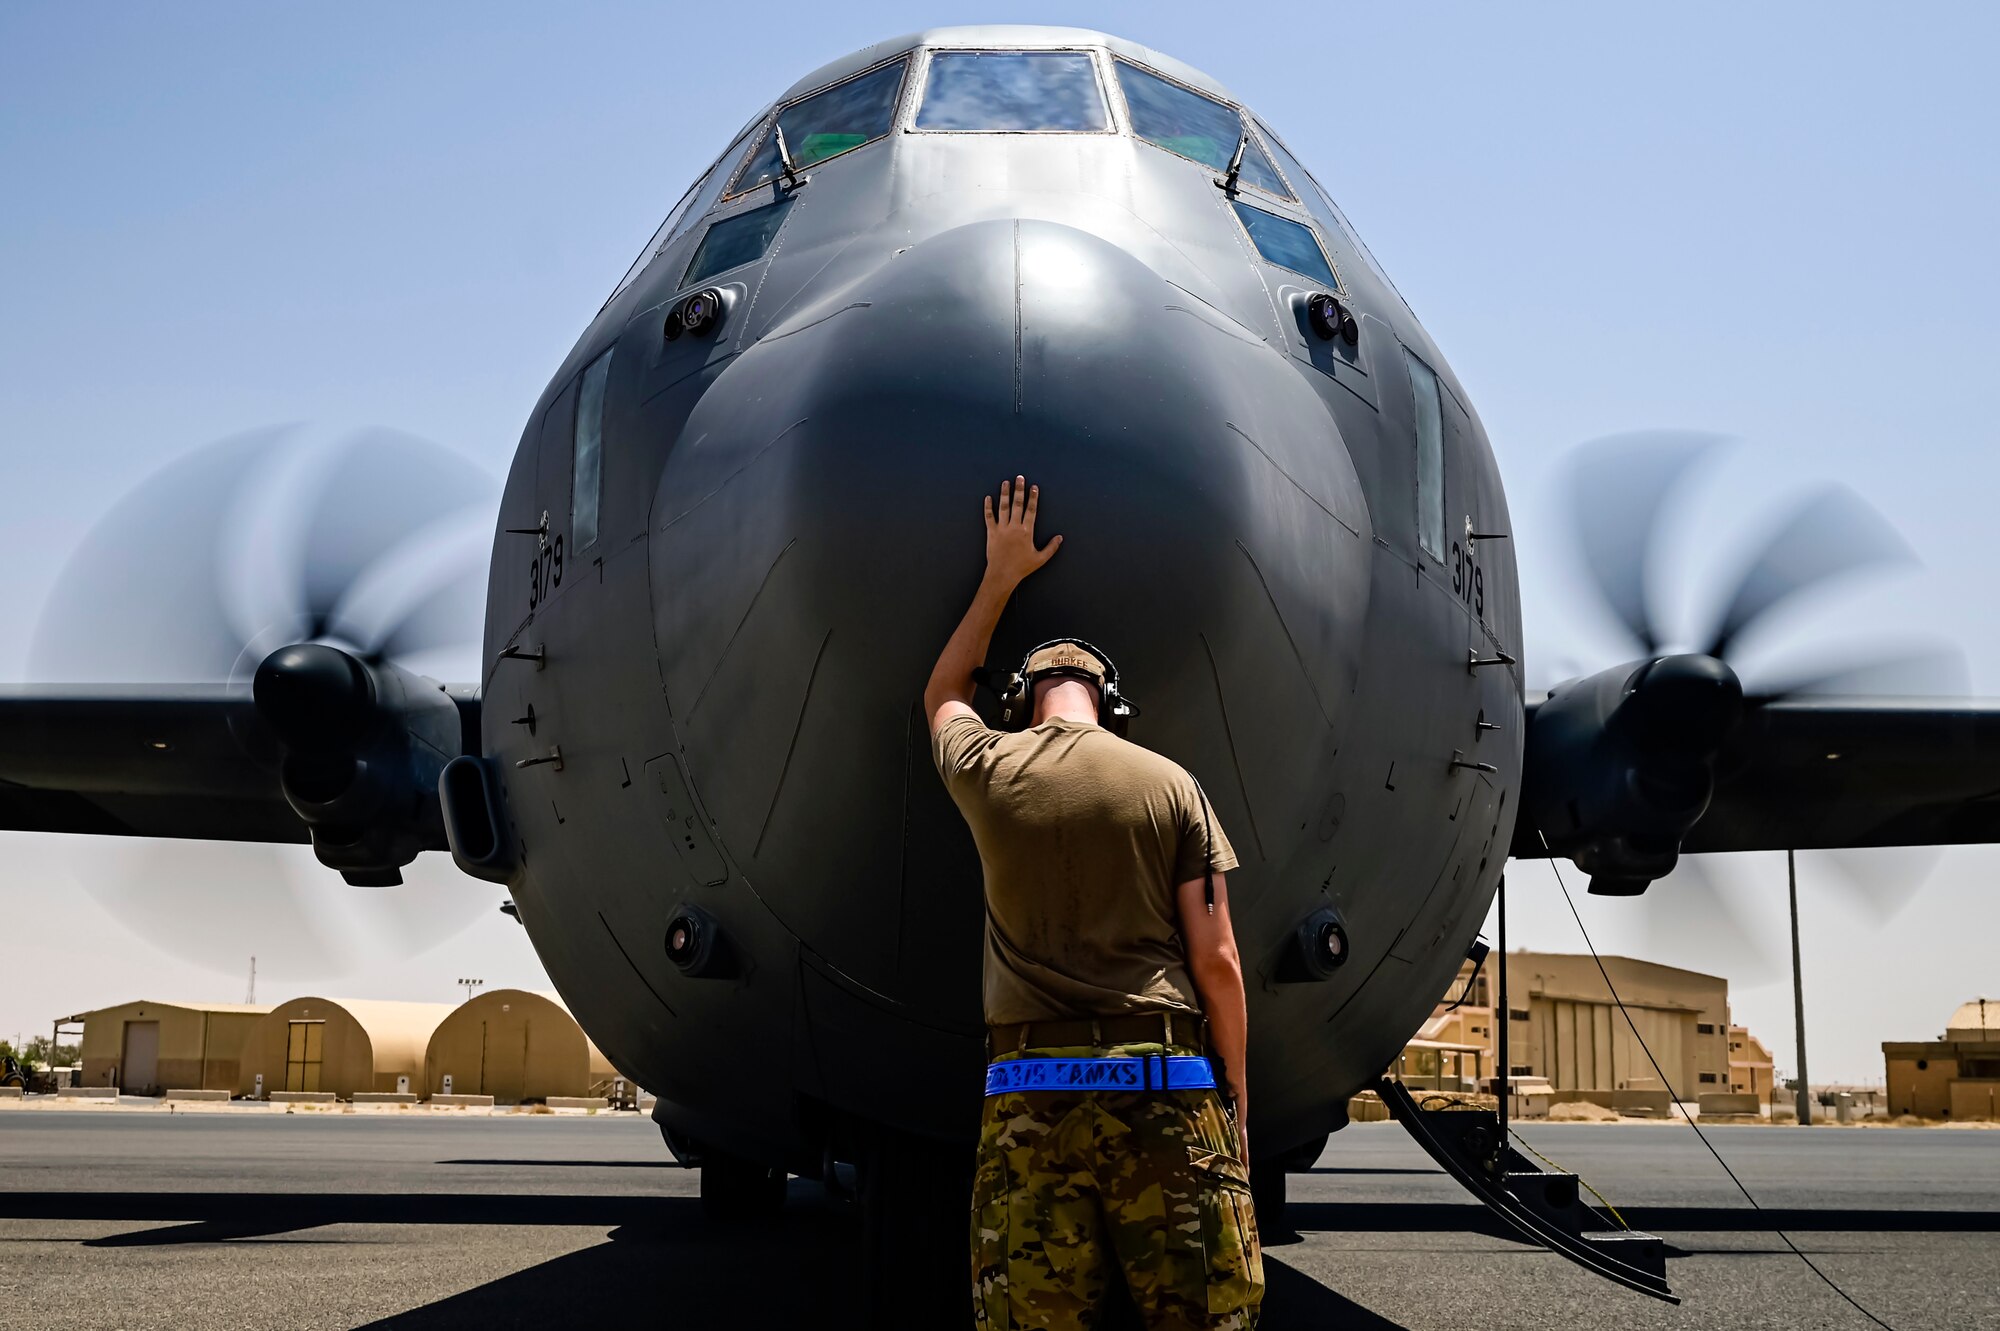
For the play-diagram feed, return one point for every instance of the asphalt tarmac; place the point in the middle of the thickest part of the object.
(144, 1220)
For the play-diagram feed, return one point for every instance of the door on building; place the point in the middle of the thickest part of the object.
(139, 1069)
(305, 1049)
(503, 1062)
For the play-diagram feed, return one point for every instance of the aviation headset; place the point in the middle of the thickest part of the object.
(1114, 712)
(1017, 690)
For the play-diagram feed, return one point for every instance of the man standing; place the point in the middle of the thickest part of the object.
(1107, 1152)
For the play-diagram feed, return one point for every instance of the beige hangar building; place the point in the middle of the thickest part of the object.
(339, 1045)
(1564, 1028)
(514, 1045)
(147, 1047)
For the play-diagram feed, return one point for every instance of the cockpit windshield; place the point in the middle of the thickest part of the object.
(1184, 121)
(1013, 91)
(828, 123)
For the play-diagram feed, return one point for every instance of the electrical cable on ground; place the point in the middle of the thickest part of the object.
(1699, 1134)
(1515, 1133)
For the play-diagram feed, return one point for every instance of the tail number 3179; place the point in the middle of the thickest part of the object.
(545, 573)
(1467, 580)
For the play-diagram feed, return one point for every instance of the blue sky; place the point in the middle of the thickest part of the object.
(1774, 222)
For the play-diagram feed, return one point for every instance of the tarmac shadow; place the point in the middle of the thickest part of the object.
(804, 1271)
(199, 1231)
(569, 1164)
(1294, 1301)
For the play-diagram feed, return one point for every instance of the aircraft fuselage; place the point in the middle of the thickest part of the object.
(759, 534)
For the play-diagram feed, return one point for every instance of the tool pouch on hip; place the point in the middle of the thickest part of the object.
(1228, 1233)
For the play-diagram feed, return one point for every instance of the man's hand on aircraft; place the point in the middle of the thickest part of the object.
(1010, 557)
(1010, 534)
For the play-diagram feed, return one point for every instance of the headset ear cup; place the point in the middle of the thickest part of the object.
(1014, 702)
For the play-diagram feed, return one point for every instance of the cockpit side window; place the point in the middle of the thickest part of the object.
(1287, 244)
(586, 482)
(694, 205)
(737, 240)
(1321, 205)
(1430, 455)
(658, 242)
(710, 189)
(1301, 180)
(828, 123)
(1186, 122)
(1013, 92)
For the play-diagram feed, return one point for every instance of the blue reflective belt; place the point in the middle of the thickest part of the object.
(1173, 1072)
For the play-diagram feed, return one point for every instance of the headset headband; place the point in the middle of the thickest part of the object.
(1017, 699)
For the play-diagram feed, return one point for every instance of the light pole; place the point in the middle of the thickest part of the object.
(1799, 994)
(471, 987)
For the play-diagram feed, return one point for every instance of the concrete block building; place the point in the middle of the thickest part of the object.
(147, 1047)
(1954, 1077)
(1564, 1028)
(1751, 1071)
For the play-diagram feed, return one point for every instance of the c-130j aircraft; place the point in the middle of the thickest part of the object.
(739, 525)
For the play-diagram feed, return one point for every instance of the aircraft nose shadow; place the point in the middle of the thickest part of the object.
(803, 1271)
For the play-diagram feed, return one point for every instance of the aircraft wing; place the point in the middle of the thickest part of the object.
(1806, 773)
(188, 760)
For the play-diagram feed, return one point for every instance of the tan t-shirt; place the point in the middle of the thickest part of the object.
(1083, 838)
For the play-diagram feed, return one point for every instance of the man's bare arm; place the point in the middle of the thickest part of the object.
(1218, 977)
(1010, 557)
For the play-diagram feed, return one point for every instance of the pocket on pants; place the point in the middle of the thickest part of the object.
(991, 1243)
(1228, 1233)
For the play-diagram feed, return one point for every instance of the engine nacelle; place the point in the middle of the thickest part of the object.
(1621, 764)
(364, 745)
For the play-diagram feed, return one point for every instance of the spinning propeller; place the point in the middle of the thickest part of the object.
(325, 579)
(1623, 762)
(1621, 487)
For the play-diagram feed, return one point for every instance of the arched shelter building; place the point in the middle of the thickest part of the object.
(515, 1045)
(339, 1045)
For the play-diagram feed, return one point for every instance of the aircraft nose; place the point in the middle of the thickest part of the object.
(816, 535)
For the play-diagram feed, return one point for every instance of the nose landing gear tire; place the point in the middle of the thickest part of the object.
(915, 1233)
(739, 1192)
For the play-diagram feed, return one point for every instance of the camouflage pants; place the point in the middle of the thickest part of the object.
(1074, 1188)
